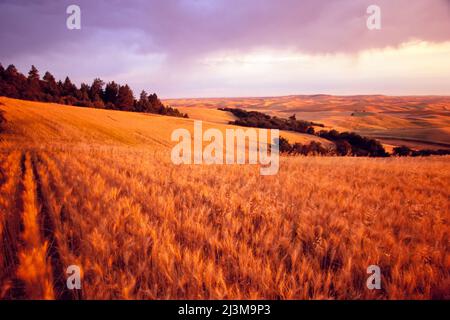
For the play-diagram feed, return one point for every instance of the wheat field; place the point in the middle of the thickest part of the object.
(419, 122)
(97, 189)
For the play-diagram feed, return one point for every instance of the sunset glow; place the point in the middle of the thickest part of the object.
(205, 49)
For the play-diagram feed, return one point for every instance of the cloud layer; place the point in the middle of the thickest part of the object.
(160, 43)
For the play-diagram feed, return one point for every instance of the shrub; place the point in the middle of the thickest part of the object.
(427, 152)
(343, 148)
(402, 151)
(361, 146)
(260, 120)
(313, 148)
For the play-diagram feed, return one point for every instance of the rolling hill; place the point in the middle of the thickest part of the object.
(418, 121)
(96, 189)
(43, 122)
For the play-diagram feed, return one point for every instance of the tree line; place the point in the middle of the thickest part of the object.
(404, 151)
(345, 143)
(344, 148)
(312, 148)
(261, 120)
(350, 143)
(99, 94)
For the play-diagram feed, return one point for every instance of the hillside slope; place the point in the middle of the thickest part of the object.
(97, 189)
(417, 121)
(53, 123)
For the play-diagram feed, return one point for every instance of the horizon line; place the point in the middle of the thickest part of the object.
(309, 95)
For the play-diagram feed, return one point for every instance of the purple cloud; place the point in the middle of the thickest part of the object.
(116, 32)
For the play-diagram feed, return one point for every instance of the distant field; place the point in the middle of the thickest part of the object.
(420, 122)
(96, 188)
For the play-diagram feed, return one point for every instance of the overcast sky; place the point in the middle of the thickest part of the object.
(219, 48)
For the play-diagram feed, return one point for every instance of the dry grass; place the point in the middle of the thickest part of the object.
(140, 227)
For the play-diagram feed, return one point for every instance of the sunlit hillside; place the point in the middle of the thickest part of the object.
(96, 189)
(44, 122)
(418, 121)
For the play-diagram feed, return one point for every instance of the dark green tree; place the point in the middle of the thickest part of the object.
(50, 88)
(125, 99)
(402, 151)
(143, 105)
(14, 83)
(110, 95)
(156, 104)
(33, 88)
(96, 90)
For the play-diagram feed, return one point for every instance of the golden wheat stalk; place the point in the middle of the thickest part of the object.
(34, 269)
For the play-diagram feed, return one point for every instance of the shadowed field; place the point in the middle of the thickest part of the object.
(96, 188)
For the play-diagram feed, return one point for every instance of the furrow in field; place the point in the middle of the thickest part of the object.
(11, 208)
(99, 212)
(191, 228)
(48, 229)
(145, 240)
(34, 269)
